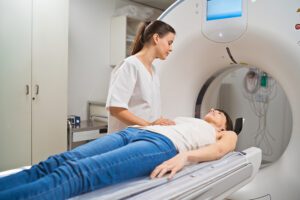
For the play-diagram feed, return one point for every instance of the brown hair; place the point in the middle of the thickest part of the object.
(147, 30)
(229, 125)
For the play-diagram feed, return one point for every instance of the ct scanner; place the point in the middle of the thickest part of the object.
(208, 44)
(265, 35)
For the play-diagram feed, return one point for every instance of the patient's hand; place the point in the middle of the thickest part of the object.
(172, 165)
(163, 122)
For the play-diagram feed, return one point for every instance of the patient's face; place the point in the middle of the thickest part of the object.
(216, 117)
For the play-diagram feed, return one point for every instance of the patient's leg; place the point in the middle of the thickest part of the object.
(96, 147)
(75, 177)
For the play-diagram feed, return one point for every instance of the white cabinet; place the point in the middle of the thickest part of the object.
(123, 30)
(15, 77)
(33, 77)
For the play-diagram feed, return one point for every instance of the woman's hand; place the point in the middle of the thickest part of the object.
(172, 165)
(163, 122)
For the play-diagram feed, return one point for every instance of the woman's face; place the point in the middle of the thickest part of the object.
(164, 45)
(216, 117)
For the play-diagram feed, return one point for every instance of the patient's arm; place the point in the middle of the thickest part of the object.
(225, 143)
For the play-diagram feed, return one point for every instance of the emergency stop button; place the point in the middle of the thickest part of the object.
(297, 26)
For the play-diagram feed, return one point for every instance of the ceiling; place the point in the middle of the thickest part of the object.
(159, 4)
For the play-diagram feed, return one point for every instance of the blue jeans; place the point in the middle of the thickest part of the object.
(111, 159)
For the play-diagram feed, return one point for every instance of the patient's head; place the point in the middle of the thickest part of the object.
(220, 119)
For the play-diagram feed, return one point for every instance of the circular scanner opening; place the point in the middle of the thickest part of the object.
(256, 96)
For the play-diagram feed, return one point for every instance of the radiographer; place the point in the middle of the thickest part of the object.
(134, 91)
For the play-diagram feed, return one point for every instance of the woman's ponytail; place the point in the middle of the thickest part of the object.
(138, 41)
(146, 31)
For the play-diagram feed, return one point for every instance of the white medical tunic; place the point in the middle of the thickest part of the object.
(134, 88)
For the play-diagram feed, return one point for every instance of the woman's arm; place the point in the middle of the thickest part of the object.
(225, 144)
(129, 118)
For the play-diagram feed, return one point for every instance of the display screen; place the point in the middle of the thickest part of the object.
(221, 9)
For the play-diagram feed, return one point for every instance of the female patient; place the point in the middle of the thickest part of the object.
(129, 153)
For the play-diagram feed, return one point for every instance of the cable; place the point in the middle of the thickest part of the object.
(259, 94)
(230, 55)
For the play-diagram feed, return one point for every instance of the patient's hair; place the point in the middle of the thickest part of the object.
(229, 125)
(147, 30)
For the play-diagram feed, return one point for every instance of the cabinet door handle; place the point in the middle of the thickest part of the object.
(37, 89)
(27, 89)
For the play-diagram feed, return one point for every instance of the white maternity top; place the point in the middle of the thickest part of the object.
(188, 133)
